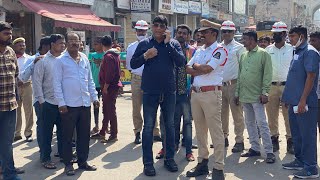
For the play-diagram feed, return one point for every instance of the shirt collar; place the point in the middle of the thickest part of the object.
(66, 54)
(212, 46)
(255, 49)
(303, 45)
(231, 43)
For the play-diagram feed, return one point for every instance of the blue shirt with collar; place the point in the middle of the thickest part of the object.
(306, 60)
(159, 72)
(73, 83)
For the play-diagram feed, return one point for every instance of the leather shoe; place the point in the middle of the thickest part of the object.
(200, 169)
(217, 174)
(138, 138)
(69, 170)
(171, 165)
(251, 153)
(20, 171)
(17, 138)
(238, 147)
(157, 138)
(149, 170)
(29, 139)
(88, 167)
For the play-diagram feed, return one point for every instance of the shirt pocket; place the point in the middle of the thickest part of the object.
(10, 64)
(84, 72)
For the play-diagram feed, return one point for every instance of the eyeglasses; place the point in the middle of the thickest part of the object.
(227, 31)
(183, 33)
(141, 30)
(162, 26)
(206, 32)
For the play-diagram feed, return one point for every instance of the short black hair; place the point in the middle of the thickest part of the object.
(315, 34)
(299, 30)
(55, 37)
(106, 41)
(44, 41)
(184, 26)
(69, 33)
(251, 33)
(98, 39)
(265, 38)
(5, 26)
(160, 19)
(195, 31)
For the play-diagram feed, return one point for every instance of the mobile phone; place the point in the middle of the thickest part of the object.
(295, 109)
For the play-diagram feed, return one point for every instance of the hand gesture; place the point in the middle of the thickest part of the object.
(168, 36)
(151, 53)
(38, 58)
(263, 99)
(96, 104)
(63, 109)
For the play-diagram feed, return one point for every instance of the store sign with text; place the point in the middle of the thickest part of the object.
(194, 7)
(166, 6)
(205, 10)
(141, 5)
(181, 7)
(123, 4)
(213, 13)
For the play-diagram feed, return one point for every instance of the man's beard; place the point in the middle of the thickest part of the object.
(6, 43)
(181, 40)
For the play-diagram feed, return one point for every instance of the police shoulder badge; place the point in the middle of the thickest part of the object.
(217, 55)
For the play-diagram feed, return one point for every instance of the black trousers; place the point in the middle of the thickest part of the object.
(79, 118)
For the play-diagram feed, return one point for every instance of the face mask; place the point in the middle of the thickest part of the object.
(298, 43)
(277, 38)
(140, 38)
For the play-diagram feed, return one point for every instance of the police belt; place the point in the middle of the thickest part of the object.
(205, 88)
(279, 83)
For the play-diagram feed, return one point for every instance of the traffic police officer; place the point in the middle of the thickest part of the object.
(230, 75)
(207, 68)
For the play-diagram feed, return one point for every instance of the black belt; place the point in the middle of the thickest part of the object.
(279, 83)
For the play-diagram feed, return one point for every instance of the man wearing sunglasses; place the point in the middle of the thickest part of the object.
(160, 55)
(281, 55)
(230, 75)
(207, 66)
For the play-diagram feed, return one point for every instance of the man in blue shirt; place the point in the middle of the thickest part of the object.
(160, 55)
(74, 90)
(301, 97)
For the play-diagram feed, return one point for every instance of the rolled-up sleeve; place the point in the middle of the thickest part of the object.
(311, 61)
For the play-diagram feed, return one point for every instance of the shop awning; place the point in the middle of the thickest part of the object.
(70, 17)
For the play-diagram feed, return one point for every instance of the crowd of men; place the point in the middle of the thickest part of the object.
(199, 80)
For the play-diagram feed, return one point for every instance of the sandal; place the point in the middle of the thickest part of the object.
(49, 165)
(160, 154)
(69, 170)
(190, 157)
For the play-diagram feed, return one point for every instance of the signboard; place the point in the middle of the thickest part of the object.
(140, 16)
(141, 5)
(123, 4)
(194, 7)
(125, 75)
(166, 6)
(86, 2)
(213, 13)
(205, 10)
(181, 7)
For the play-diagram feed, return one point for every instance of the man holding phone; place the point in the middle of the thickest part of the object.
(159, 54)
(301, 97)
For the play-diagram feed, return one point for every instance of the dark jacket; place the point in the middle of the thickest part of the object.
(110, 69)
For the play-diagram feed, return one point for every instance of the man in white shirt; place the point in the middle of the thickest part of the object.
(315, 42)
(24, 93)
(136, 74)
(74, 90)
(230, 75)
(25, 75)
(207, 66)
(44, 92)
(281, 55)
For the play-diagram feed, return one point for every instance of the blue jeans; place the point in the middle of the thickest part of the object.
(7, 128)
(151, 103)
(50, 117)
(36, 106)
(304, 136)
(182, 109)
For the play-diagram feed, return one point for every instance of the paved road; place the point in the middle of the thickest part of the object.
(122, 160)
